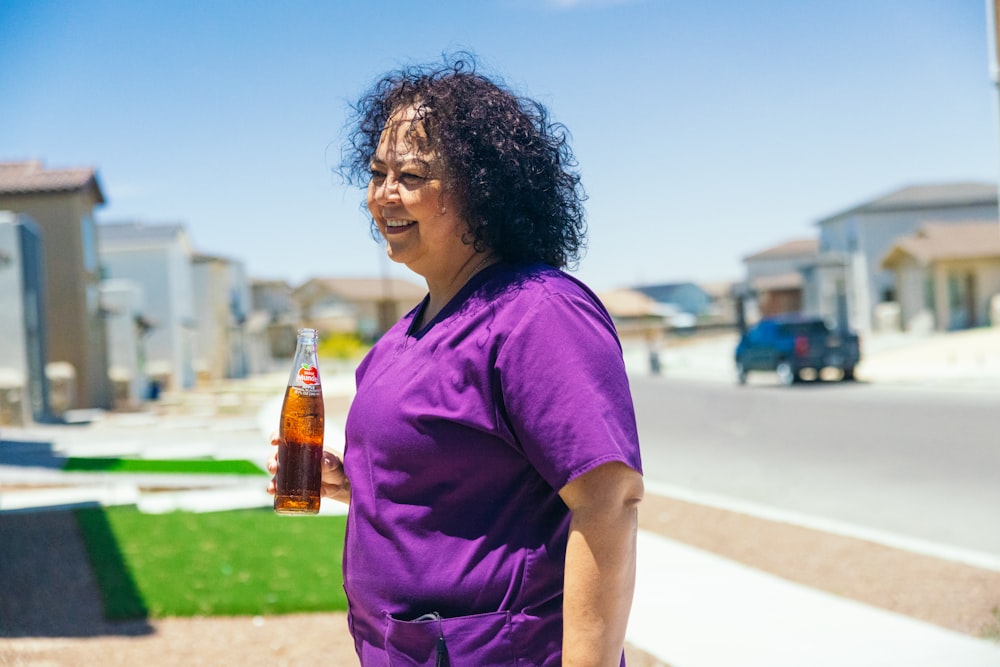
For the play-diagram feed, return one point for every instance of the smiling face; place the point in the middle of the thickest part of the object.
(408, 202)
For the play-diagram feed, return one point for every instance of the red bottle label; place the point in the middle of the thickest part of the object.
(309, 375)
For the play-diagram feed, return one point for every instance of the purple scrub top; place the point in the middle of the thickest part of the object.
(458, 441)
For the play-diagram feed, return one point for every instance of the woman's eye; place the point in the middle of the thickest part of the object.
(411, 178)
(377, 176)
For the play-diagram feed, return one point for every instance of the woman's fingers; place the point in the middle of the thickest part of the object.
(272, 462)
(331, 462)
(335, 484)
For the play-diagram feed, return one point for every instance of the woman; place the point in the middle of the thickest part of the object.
(491, 462)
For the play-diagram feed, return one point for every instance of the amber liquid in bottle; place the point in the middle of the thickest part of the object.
(300, 455)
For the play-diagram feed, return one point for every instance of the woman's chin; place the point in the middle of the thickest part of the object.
(397, 257)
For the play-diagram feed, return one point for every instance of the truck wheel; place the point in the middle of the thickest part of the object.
(786, 374)
(848, 375)
(741, 373)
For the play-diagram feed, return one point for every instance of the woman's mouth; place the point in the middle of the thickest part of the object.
(397, 224)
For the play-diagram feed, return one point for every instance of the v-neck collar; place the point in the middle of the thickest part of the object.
(453, 304)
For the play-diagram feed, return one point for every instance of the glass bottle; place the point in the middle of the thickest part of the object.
(300, 454)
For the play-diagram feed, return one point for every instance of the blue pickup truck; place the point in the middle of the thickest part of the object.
(788, 345)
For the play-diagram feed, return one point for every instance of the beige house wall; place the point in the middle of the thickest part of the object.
(72, 275)
(989, 285)
(911, 288)
(911, 293)
(940, 289)
(986, 274)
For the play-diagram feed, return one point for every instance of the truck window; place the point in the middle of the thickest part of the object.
(813, 328)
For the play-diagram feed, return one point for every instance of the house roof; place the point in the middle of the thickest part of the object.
(720, 289)
(915, 197)
(138, 233)
(788, 250)
(781, 281)
(31, 177)
(668, 292)
(366, 289)
(205, 258)
(936, 242)
(270, 283)
(629, 303)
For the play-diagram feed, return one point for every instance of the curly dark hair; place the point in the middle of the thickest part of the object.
(511, 168)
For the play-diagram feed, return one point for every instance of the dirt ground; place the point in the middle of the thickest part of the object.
(50, 608)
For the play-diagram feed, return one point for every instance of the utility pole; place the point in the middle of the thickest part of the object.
(993, 34)
(993, 28)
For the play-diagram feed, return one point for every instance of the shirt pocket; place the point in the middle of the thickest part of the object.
(483, 640)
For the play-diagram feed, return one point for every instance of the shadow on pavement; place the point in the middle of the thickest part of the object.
(47, 587)
(31, 453)
(806, 385)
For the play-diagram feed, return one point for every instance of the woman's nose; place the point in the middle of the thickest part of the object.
(387, 190)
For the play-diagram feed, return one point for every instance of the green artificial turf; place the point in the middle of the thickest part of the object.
(182, 466)
(242, 562)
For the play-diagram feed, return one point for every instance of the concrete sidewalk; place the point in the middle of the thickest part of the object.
(694, 609)
(691, 609)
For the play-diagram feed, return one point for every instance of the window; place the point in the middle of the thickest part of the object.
(808, 328)
(89, 239)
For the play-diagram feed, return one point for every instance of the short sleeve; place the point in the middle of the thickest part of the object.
(564, 391)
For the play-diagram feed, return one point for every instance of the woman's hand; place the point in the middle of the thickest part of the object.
(334, 483)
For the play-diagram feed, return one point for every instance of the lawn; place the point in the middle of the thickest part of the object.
(243, 562)
(175, 466)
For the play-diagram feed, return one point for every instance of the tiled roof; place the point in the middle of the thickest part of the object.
(939, 195)
(367, 289)
(952, 194)
(31, 177)
(789, 249)
(629, 303)
(950, 241)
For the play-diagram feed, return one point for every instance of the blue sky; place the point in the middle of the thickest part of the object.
(705, 129)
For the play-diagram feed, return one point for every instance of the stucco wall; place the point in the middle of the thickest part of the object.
(164, 274)
(76, 331)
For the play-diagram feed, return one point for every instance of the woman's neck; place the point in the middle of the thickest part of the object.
(440, 292)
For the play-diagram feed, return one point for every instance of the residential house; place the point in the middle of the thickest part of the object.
(366, 306)
(222, 347)
(24, 391)
(849, 279)
(61, 203)
(638, 320)
(127, 326)
(275, 316)
(634, 312)
(947, 275)
(683, 303)
(273, 297)
(686, 297)
(775, 277)
(723, 309)
(158, 259)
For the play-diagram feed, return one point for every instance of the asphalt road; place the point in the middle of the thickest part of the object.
(920, 464)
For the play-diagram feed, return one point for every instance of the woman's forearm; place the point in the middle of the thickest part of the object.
(600, 570)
